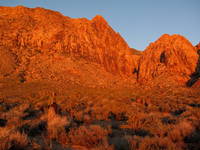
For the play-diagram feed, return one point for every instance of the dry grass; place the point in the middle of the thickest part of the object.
(11, 138)
(157, 144)
(55, 123)
(89, 136)
(180, 131)
(141, 110)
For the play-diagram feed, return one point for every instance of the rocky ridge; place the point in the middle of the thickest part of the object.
(37, 44)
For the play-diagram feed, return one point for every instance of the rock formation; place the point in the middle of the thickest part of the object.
(38, 37)
(168, 56)
(37, 43)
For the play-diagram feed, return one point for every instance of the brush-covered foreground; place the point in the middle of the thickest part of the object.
(58, 116)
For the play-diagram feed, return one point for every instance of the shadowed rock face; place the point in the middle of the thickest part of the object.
(169, 55)
(37, 43)
(198, 46)
(194, 80)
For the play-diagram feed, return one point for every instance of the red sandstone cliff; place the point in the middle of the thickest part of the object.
(38, 36)
(43, 44)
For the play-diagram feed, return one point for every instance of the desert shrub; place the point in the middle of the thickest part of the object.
(34, 130)
(31, 114)
(134, 142)
(120, 116)
(11, 139)
(143, 121)
(157, 144)
(180, 131)
(108, 109)
(88, 136)
(140, 121)
(55, 123)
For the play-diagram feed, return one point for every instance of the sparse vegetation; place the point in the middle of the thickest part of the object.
(12, 139)
(101, 123)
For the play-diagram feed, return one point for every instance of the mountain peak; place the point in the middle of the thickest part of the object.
(20, 7)
(164, 36)
(99, 18)
(167, 37)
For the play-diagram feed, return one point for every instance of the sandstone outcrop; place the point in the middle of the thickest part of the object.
(37, 43)
(168, 56)
(39, 38)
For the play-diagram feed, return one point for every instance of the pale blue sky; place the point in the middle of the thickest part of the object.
(138, 21)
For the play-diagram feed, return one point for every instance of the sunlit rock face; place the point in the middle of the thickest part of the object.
(39, 38)
(37, 43)
(168, 56)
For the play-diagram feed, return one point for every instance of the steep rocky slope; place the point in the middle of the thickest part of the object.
(37, 44)
(43, 44)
